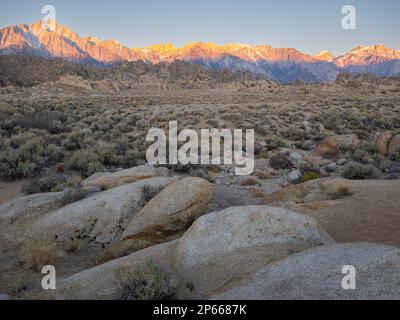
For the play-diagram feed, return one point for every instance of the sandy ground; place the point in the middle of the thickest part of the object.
(10, 190)
(370, 214)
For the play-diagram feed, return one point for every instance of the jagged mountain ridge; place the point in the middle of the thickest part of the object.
(280, 64)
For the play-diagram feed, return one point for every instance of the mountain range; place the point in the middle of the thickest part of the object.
(279, 64)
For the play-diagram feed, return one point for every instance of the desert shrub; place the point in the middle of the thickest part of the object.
(340, 191)
(37, 253)
(79, 140)
(395, 155)
(261, 129)
(106, 154)
(309, 176)
(151, 283)
(370, 147)
(54, 154)
(358, 171)
(296, 134)
(51, 121)
(22, 156)
(331, 122)
(361, 156)
(103, 257)
(280, 161)
(42, 184)
(149, 192)
(307, 167)
(85, 162)
(182, 168)
(72, 195)
(131, 157)
(73, 181)
(275, 143)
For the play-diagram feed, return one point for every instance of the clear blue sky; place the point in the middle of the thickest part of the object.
(308, 25)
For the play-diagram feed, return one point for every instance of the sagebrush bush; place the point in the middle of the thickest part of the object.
(81, 139)
(306, 167)
(395, 155)
(51, 121)
(281, 161)
(42, 184)
(358, 171)
(86, 162)
(22, 156)
(275, 143)
(152, 283)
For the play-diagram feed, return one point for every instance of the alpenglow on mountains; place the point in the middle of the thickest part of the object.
(280, 64)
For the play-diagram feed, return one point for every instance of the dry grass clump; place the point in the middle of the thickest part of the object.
(36, 253)
(340, 191)
(249, 181)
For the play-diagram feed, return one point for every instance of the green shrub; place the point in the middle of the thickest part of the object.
(309, 176)
(358, 171)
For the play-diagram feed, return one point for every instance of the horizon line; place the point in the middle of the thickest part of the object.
(200, 42)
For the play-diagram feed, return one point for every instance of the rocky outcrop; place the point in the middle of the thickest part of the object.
(170, 212)
(29, 206)
(307, 192)
(219, 250)
(106, 180)
(317, 274)
(222, 233)
(242, 240)
(100, 217)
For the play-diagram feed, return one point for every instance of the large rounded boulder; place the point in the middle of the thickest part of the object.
(336, 272)
(106, 180)
(101, 217)
(223, 247)
(171, 212)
